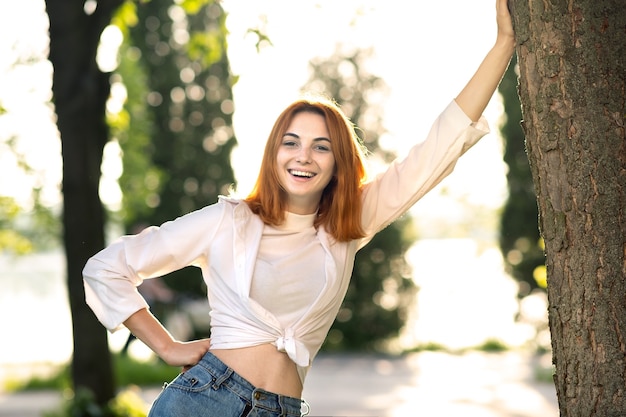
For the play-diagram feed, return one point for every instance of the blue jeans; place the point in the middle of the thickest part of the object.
(212, 389)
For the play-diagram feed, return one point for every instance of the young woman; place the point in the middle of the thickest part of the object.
(277, 264)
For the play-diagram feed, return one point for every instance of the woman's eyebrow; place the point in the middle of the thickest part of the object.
(321, 139)
(294, 135)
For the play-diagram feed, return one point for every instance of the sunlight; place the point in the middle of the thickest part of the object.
(32, 285)
(110, 191)
(469, 385)
(462, 285)
(110, 42)
(464, 296)
(25, 92)
(433, 384)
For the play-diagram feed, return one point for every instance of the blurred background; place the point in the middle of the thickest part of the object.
(463, 271)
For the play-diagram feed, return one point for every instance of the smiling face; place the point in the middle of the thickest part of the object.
(305, 162)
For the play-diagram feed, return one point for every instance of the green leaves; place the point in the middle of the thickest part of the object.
(206, 48)
(194, 6)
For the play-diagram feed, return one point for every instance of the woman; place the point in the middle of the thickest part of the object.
(277, 264)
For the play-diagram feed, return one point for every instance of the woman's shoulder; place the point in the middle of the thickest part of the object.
(223, 207)
(232, 203)
(229, 200)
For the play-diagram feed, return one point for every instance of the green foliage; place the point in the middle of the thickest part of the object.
(82, 403)
(59, 380)
(428, 347)
(261, 38)
(23, 229)
(133, 127)
(10, 239)
(194, 6)
(381, 290)
(520, 242)
(129, 403)
(489, 345)
(205, 47)
(125, 17)
(176, 128)
(493, 345)
(127, 371)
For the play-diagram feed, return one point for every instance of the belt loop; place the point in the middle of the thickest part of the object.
(219, 381)
(306, 406)
(283, 409)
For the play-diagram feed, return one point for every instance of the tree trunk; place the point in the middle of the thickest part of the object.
(573, 95)
(80, 92)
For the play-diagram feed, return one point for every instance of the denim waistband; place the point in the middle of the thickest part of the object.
(225, 375)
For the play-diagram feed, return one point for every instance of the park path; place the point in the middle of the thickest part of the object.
(432, 384)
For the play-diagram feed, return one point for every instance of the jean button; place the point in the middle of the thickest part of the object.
(257, 395)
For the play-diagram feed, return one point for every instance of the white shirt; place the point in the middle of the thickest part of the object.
(224, 239)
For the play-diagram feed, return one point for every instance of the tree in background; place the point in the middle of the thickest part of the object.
(177, 158)
(197, 72)
(572, 60)
(80, 92)
(520, 241)
(381, 290)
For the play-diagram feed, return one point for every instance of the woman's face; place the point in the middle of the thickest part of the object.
(305, 162)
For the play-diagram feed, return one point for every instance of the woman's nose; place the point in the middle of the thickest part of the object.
(304, 156)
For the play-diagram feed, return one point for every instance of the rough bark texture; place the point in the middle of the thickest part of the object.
(80, 92)
(572, 90)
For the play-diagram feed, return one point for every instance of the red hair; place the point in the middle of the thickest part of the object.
(340, 205)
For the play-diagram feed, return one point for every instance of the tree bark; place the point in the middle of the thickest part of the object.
(573, 95)
(80, 91)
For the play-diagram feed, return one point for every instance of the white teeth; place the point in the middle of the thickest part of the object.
(302, 173)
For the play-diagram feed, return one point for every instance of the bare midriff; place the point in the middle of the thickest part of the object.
(264, 367)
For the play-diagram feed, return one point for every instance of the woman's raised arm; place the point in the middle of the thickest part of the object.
(475, 96)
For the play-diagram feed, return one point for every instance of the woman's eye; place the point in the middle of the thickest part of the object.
(322, 148)
(289, 143)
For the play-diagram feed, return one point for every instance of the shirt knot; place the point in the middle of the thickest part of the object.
(295, 349)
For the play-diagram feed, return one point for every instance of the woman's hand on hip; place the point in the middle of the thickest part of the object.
(185, 354)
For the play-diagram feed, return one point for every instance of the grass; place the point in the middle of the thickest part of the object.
(428, 347)
(490, 345)
(127, 371)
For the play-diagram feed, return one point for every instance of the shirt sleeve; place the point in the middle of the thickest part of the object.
(112, 275)
(392, 193)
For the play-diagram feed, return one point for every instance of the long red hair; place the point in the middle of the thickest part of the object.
(340, 205)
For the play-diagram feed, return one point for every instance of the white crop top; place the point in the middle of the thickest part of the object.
(231, 245)
(289, 271)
